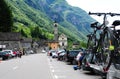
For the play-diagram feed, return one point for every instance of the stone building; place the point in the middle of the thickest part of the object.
(10, 40)
(55, 31)
(62, 41)
(26, 44)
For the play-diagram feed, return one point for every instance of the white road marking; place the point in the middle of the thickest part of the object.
(56, 76)
(51, 67)
(56, 70)
(59, 77)
(24, 62)
(53, 70)
(14, 68)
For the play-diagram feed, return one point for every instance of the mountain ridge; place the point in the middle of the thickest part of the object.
(73, 21)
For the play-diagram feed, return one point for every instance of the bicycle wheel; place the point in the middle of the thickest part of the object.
(105, 50)
(91, 42)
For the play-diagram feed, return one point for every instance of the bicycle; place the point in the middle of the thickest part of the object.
(115, 66)
(103, 52)
(91, 44)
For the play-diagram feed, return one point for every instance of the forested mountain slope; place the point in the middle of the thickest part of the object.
(73, 21)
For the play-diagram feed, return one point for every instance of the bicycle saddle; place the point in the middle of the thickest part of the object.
(93, 25)
(116, 23)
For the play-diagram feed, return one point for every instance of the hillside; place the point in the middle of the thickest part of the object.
(73, 21)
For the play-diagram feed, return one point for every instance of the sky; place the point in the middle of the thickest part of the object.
(106, 6)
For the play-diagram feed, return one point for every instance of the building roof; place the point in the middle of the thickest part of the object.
(52, 41)
(62, 35)
(10, 36)
(26, 40)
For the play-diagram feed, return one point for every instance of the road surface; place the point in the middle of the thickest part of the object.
(40, 66)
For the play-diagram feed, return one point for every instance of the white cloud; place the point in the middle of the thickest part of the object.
(98, 6)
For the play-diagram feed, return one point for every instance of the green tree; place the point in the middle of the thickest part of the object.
(23, 33)
(6, 22)
(83, 44)
(36, 32)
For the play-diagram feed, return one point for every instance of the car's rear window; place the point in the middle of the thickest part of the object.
(73, 53)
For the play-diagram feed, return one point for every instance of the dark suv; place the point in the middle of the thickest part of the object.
(71, 55)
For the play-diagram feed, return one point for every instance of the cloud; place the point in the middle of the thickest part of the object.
(98, 6)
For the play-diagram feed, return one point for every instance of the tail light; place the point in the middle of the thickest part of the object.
(87, 64)
(7, 55)
(48, 54)
(105, 69)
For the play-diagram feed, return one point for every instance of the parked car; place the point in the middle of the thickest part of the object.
(12, 54)
(61, 55)
(89, 63)
(54, 54)
(71, 55)
(59, 51)
(88, 56)
(29, 52)
(4, 55)
(50, 52)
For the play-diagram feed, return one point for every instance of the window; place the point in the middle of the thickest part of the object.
(62, 44)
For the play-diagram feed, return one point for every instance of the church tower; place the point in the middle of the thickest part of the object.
(55, 31)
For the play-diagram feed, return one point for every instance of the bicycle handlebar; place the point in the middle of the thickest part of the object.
(99, 14)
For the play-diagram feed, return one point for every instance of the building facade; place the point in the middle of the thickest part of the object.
(62, 41)
(53, 45)
(10, 40)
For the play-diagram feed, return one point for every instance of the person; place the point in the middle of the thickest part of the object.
(20, 54)
(79, 59)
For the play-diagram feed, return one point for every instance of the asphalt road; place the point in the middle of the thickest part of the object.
(28, 67)
(40, 66)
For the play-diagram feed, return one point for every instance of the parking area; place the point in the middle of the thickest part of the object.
(63, 70)
(88, 64)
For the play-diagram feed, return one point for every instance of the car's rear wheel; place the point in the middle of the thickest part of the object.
(74, 62)
(4, 58)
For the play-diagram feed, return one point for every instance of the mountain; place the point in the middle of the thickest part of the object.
(73, 21)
